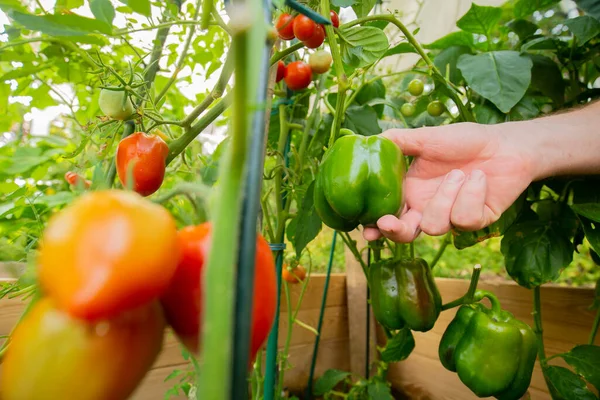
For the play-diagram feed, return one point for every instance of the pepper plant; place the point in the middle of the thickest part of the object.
(507, 63)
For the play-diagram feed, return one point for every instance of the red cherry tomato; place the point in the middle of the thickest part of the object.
(75, 179)
(317, 39)
(298, 75)
(280, 71)
(285, 26)
(144, 157)
(304, 27)
(335, 19)
(55, 356)
(183, 300)
(107, 252)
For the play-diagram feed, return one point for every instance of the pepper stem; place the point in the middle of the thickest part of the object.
(480, 294)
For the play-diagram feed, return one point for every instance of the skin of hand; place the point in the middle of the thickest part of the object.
(466, 175)
(463, 175)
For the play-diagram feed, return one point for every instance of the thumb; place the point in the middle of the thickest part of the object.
(410, 141)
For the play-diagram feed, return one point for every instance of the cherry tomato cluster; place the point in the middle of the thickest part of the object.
(415, 87)
(298, 74)
(304, 29)
(113, 270)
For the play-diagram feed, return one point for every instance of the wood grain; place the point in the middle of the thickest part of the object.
(333, 349)
(566, 322)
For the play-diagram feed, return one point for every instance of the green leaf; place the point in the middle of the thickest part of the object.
(463, 239)
(363, 45)
(584, 28)
(459, 38)
(139, 6)
(522, 28)
(543, 43)
(362, 8)
(585, 360)
(399, 347)
(535, 252)
(306, 225)
(524, 8)
(370, 91)
(588, 210)
(566, 385)
(502, 77)
(480, 19)
(328, 381)
(61, 25)
(524, 110)
(547, 78)
(488, 115)
(103, 10)
(592, 232)
(362, 120)
(592, 7)
(401, 48)
(446, 62)
(62, 5)
(8, 5)
(379, 390)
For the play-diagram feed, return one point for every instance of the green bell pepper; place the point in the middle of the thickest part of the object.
(359, 181)
(403, 293)
(492, 352)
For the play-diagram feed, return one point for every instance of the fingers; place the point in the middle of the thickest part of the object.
(410, 141)
(468, 210)
(402, 230)
(436, 215)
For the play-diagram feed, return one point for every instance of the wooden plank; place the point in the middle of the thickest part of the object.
(356, 289)
(566, 322)
(333, 350)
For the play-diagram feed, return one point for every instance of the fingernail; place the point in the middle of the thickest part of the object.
(455, 176)
(476, 175)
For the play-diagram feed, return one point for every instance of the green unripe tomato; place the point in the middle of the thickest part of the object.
(408, 109)
(415, 87)
(435, 108)
(115, 105)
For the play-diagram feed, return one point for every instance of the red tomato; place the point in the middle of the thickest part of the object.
(183, 300)
(55, 356)
(304, 27)
(298, 75)
(144, 157)
(317, 39)
(75, 179)
(280, 71)
(335, 19)
(293, 275)
(107, 252)
(285, 26)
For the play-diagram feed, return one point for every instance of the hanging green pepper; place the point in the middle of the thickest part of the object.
(403, 292)
(359, 181)
(492, 352)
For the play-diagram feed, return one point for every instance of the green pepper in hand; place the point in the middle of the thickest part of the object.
(403, 292)
(359, 181)
(492, 352)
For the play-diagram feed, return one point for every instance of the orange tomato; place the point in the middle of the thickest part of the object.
(107, 252)
(316, 39)
(144, 157)
(54, 356)
(285, 26)
(293, 275)
(183, 300)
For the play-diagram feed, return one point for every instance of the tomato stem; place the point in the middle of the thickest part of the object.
(440, 252)
(538, 328)
(595, 326)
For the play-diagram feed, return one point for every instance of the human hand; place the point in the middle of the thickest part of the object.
(463, 175)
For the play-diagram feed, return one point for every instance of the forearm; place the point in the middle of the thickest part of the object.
(561, 144)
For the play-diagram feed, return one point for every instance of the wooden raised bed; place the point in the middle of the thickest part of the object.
(567, 322)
